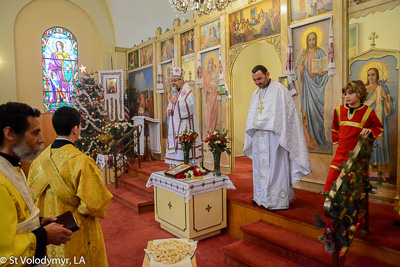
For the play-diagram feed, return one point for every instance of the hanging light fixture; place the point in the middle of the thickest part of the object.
(202, 7)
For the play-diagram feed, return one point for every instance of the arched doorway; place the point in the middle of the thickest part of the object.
(243, 85)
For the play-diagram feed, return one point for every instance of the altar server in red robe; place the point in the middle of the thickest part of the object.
(349, 121)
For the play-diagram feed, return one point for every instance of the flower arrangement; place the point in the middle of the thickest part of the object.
(187, 138)
(118, 129)
(196, 172)
(218, 143)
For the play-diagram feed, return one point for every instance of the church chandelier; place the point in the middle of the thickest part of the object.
(202, 7)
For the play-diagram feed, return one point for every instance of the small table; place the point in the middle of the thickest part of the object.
(190, 208)
(146, 261)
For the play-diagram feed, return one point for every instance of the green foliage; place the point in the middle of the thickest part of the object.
(349, 201)
(319, 222)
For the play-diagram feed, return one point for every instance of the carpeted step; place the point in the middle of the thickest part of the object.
(133, 200)
(241, 254)
(296, 247)
(136, 184)
(148, 167)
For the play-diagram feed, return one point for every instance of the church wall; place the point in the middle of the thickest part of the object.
(90, 22)
(8, 12)
(385, 24)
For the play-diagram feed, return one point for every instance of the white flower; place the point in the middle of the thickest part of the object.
(217, 142)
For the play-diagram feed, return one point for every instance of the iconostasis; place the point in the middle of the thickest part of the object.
(374, 55)
(218, 51)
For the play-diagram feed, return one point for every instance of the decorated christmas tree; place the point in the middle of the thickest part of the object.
(89, 101)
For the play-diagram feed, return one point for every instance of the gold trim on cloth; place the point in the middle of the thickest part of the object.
(54, 178)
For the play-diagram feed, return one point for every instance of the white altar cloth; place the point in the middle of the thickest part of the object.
(188, 187)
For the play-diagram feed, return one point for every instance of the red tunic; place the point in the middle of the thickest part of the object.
(345, 132)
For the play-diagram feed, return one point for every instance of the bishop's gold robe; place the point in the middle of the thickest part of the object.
(13, 210)
(65, 179)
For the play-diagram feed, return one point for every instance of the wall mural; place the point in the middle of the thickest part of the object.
(255, 22)
(303, 9)
(167, 49)
(210, 34)
(381, 77)
(356, 2)
(310, 46)
(210, 75)
(353, 40)
(133, 60)
(166, 97)
(187, 42)
(141, 84)
(146, 55)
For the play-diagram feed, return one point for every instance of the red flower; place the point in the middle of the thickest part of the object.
(223, 141)
(180, 176)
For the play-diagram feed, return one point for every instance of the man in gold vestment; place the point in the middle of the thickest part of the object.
(64, 179)
(22, 239)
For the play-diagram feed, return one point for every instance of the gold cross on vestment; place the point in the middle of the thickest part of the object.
(261, 108)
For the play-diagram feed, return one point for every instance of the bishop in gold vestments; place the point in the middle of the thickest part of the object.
(62, 178)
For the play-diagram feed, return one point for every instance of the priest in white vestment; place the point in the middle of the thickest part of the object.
(275, 142)
(181, 113)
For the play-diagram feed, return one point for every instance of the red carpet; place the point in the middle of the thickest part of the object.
(384, 233)
(126, 234)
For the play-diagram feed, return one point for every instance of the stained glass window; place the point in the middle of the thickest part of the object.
(60, 68)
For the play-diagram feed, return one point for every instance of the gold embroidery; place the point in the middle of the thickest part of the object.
(350, 123)
(335, 167)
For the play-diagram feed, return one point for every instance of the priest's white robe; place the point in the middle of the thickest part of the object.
(275, 142)
(184, 115)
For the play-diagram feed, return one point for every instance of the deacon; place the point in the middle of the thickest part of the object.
(21, 233)
(181, 113)
(274, 140)
(64, 179)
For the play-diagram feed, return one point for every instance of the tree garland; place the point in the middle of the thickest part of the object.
(348, 199)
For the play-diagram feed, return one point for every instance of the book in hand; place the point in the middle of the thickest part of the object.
(67, 220)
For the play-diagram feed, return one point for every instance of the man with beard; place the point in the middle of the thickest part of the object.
(64, 179)
(274, 140)
(21, 233)
(181, 114)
